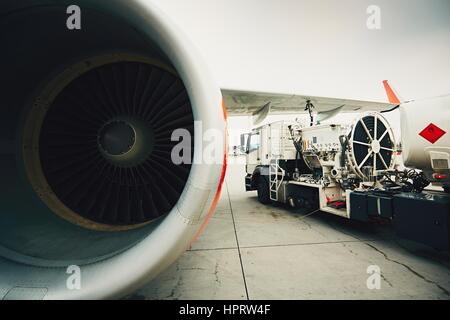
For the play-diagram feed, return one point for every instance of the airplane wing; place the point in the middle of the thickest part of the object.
(261, 104)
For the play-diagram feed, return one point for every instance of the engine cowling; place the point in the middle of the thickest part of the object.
(87, 117)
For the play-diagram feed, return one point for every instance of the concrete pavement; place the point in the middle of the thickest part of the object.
(252, 251)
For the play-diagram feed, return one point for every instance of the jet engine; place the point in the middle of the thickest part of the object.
(91, 204)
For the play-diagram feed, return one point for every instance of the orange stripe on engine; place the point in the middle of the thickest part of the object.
(222, 178)
(215, 202)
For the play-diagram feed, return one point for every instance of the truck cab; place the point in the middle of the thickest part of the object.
(262, 146)
(251, 145)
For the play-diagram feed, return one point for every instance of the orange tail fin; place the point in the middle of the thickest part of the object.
(391, 94)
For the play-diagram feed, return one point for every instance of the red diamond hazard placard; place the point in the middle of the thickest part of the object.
(432, 133)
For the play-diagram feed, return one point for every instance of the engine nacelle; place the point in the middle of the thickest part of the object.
(86, 125)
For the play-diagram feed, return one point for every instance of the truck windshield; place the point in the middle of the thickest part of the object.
(254, 142)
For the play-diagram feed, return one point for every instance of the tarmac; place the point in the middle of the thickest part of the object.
(257, 252)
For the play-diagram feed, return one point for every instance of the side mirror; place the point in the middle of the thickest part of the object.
(243, 140)
(244, 143)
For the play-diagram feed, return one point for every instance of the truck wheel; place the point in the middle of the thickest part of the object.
(263, 190)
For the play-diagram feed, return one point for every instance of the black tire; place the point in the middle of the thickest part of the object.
(263, 190)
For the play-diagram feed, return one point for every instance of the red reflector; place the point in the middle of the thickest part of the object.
(432, 133)
(439, 176)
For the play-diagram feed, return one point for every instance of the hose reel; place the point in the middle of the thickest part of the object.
(371, 146)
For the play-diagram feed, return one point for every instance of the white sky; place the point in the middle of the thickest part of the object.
(321, 47)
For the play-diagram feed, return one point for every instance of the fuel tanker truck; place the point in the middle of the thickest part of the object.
(358, 170)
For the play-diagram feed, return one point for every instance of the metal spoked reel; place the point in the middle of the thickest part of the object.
(371, 146)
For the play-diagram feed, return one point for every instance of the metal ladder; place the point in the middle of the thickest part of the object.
(276, 177)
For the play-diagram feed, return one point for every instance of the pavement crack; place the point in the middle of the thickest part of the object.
(216, 273)
(193, 269)
(386, 280)
(179, 283)
(175, 288)
(417, 274)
